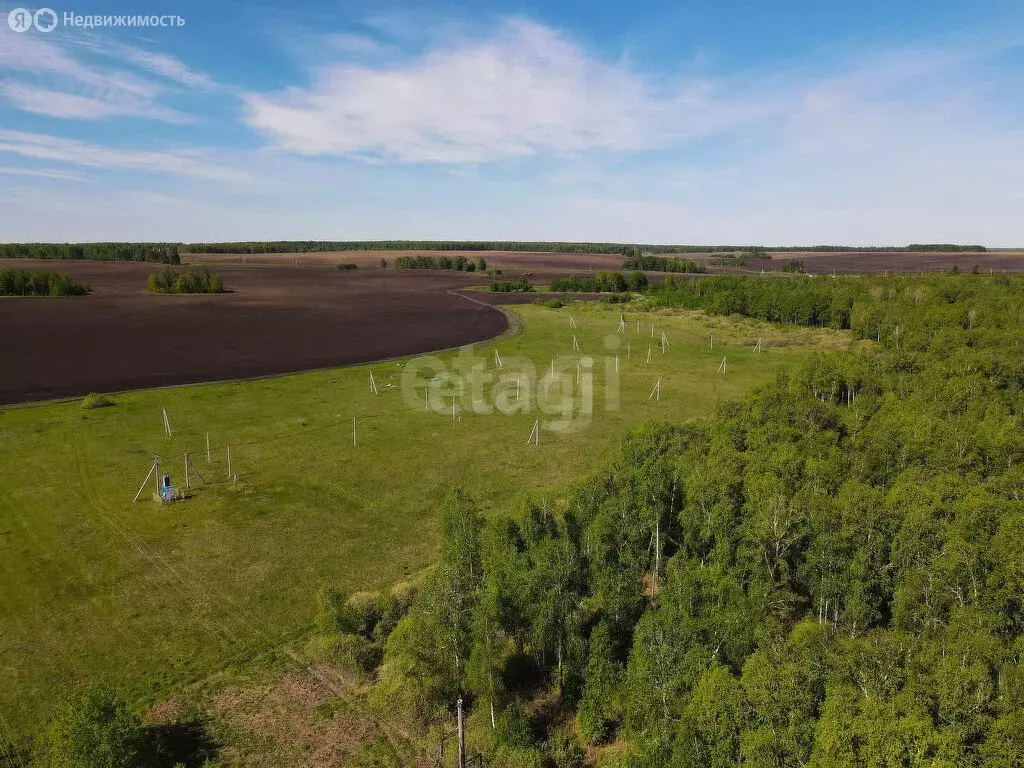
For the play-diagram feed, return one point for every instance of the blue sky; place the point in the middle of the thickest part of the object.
(714, 122)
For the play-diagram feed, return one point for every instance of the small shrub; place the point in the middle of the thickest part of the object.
(361, 613)
(392, 606)
(554, 303)
(522, 285)
(92, 401)
(352, 652)
(565, 752)
(347, 267)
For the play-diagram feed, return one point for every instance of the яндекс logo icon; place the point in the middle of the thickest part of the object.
(19, 19)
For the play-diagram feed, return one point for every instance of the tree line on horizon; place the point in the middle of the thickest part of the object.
(625, 249)
(169, 252)
(163, 253)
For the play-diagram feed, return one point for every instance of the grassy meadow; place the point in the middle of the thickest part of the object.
(156, 596)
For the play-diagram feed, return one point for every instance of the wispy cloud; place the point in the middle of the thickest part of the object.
(48, 77)
(187, 163)
(524, 91)
(42, 101)
(42, 173)
(161, 64)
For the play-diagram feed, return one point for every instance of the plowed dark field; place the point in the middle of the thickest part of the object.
(276, 319)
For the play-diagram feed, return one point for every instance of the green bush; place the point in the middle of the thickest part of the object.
(565, 752)
(93, 400)
(522, 285)
(361, 613)
(347, 267)
(392, 606)
(352, 652)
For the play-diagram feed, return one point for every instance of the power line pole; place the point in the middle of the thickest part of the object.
(462, 737)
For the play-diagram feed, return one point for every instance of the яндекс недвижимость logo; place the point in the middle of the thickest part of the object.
(22, 19)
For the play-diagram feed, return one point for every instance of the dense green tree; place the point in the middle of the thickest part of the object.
(603, 674)
(95, 729)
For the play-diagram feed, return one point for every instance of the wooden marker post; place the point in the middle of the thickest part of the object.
(534, 434)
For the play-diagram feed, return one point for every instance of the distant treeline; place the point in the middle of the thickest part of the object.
(661, 264)
(458, 263)
(185, 281)
(310, 246)
(164, 253)
(42, 282)
(602, 282)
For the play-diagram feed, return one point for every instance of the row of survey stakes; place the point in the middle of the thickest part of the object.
(165, 492)
(534, 438)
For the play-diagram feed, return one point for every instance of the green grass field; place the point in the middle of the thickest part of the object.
(158, 596)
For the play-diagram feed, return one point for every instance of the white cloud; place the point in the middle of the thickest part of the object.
(161, 64)
(43, 173)
(44, 77)
(524, 91)
(42, 101)
(186, 163)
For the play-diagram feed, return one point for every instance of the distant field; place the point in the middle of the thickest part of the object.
(91, 584)
(544, 266)
(273, 320)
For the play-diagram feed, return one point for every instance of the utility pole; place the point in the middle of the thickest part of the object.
(462, 737)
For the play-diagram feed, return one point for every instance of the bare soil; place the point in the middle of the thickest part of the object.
(274, 320)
